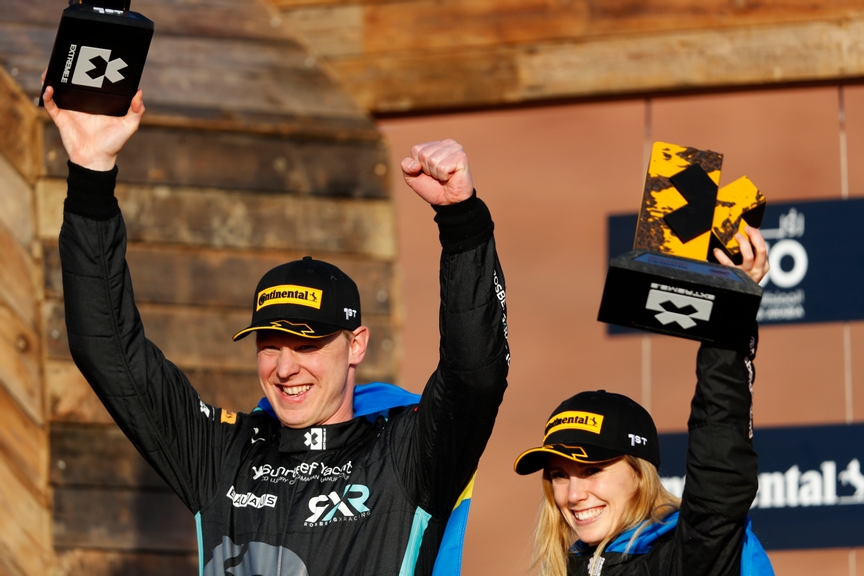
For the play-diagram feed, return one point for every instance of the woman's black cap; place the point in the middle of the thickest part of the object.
(594, 427)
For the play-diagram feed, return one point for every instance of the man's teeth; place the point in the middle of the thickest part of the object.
(294, 390)
(589, 514)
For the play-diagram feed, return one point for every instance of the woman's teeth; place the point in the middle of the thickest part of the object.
(589, 514)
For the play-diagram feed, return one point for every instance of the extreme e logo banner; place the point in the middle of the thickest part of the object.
(811, 485)
(816, 254)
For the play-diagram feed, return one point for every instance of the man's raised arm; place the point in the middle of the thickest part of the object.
(149, 398)
(461, 399)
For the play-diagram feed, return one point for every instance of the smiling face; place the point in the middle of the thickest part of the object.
(592, 497)
(310, 381)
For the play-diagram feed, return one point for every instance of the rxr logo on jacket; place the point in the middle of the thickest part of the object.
(350, 506)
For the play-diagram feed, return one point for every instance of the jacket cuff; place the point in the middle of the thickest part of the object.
(464, 225)
(745, 344)
(91, 193)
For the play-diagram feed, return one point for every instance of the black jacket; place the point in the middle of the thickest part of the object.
(359, 497)
(721, 480)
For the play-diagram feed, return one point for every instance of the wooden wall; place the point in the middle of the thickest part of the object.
(249, 155)
(25, 529)
(403, 56)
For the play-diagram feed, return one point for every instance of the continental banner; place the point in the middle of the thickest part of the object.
(811, 485)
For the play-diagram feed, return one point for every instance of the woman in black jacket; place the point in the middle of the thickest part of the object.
(604, 510)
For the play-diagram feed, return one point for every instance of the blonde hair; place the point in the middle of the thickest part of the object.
(554, 537)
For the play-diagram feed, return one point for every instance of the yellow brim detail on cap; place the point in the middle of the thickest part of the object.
(303, 330)
(582, 459)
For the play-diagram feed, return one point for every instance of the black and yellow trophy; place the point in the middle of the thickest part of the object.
(668, 284)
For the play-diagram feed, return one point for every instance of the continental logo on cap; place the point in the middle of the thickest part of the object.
(587, 421)
(289, 294)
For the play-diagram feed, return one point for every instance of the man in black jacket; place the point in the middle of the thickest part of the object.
(315, 491)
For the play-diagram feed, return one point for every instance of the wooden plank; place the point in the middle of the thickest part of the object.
(626, 16)
(289, 5)
(686, 60)
(73, 401)
(401, 82)
(115, 519)
(17, 290)
(19, 139)
(24, 53)
(215, 18)
(274, 75)
(20, 370)
(7, 567)
(237, 161)
(304, 103)
(424, 27)
(381, 353)
(189, 337)
(238, 391)
(24, 524)
(338, 28)
(747, 56)
(70, 398)
(216, 277)
(428, 25)
(333, 30)
(200, 338)
(50, 196)
(341, 129)
(226, 74)
(195, 217)
(16, 204)
(190, 116)
(681, 10)
(82, 562)
(23, 446)
(98, 457)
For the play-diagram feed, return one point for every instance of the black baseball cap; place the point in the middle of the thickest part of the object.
(307, 297)
(594, 427)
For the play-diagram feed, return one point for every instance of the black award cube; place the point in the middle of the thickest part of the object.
(680, 297)
(667, 285)
(98, 57)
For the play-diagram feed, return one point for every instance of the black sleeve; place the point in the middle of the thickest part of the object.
(722, 469)
(149, 398)
(460, 402)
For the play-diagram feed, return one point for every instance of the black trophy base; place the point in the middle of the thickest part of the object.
(92, 102)
(98, 57)
(680, 297)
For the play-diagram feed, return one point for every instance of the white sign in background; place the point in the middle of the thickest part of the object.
(782, 298)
